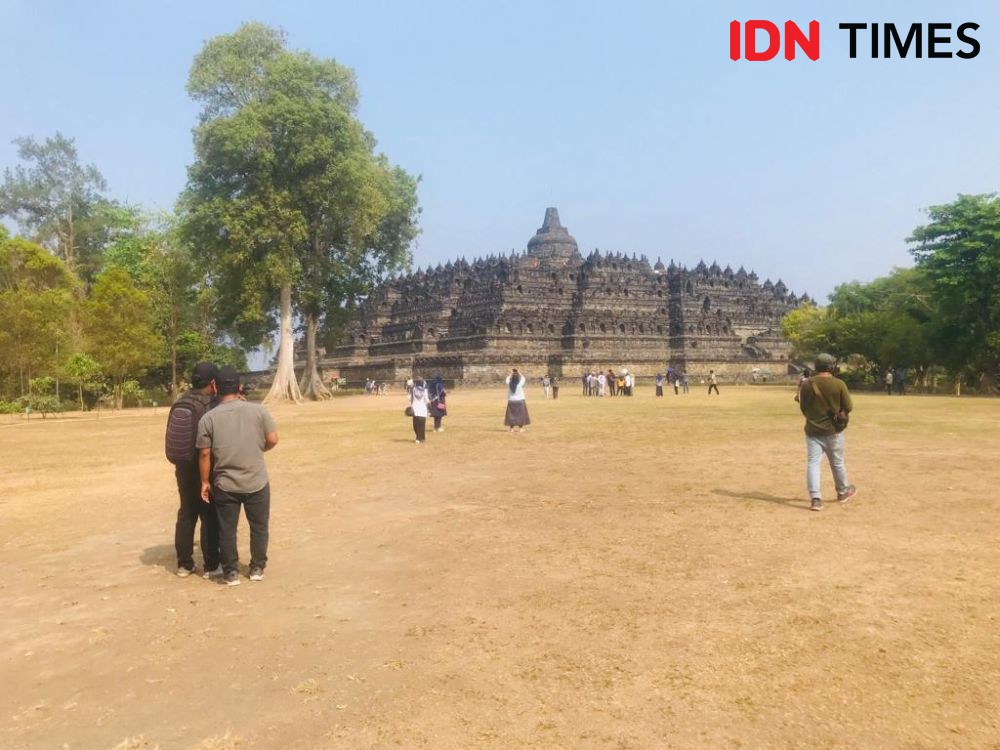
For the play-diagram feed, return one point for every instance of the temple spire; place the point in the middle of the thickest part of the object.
(552, 241)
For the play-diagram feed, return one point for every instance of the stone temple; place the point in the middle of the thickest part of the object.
(552, 310)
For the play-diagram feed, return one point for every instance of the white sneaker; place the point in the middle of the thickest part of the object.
(184, 572)
(232, 579)
(213, 573)
(256, 574)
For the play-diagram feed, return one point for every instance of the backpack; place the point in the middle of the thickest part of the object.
(182, 430)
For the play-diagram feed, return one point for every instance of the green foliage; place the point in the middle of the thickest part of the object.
(37, 299)
(39, 403)
(808, 329)
(286, 187)
(120, 327)
(83, 372)
(53, 197)
(959, 251)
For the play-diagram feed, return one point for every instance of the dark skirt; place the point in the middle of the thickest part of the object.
(517, 414)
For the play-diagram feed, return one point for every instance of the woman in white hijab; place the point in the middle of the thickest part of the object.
(418, 404)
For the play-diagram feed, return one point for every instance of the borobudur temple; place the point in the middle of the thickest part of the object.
(551, 310)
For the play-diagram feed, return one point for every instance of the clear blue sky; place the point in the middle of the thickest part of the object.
(630, 118)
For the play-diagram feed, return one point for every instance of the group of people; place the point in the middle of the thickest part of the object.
(426, 399)
(675, 379)
(895, 380)
(600, 384)
(216, 440)
(376, 388)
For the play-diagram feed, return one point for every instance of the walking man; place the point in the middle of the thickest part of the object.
(825, 403)
(235, 435)
(713, 382)
(182, 426)
(888, 382)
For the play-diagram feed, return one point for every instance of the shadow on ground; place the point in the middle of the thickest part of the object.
(161, 556)
(790, 502)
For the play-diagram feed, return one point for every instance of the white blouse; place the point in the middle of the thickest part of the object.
(518, 394)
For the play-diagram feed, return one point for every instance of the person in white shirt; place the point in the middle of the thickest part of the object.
(602, 383)
(419, 403)
(713, 383)
(517, 409)
(545, 385)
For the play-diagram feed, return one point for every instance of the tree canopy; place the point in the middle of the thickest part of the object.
(287, 200)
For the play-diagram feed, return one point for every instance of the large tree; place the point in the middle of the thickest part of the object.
(37, 298)
(959, 250)
(60, 202)
(120, 327)
(287, 199)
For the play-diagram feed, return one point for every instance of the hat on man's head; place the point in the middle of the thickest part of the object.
(228, 381)
(204, 373)
(825, 360)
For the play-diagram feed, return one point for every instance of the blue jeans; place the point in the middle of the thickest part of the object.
(833, 447)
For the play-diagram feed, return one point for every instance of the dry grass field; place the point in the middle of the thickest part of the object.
(627, 574)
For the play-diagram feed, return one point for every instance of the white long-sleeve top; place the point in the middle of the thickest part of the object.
(518, 394)
(419, 402)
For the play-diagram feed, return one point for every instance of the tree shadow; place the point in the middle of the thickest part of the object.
(788, 502)
(161, 556)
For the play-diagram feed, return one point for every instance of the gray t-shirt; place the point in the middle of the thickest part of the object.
(235, 431)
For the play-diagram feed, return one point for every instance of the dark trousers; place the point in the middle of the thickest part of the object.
(257, 507)
(659, 390)
(555, 391)
(192, 510)
(437, 422)
(711, 386)
(420, 428)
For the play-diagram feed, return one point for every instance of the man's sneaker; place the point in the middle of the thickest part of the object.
(815, 504)
(256, 574)
(214, 573)
(851, 491)
(232, 578)
(183, 572)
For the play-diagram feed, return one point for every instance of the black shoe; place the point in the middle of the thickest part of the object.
(232, 578)
(815, 504)
(256, 574)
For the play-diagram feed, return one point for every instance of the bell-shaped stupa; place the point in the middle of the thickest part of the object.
(553, 241)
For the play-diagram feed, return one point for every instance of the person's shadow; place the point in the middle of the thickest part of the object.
(161, 556)
(788, 502)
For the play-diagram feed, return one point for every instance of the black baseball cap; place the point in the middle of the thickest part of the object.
(228, 381)
(203, 374)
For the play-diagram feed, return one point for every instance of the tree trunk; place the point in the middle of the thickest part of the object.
(285, 387)
(988, 385)
(312, 385)
(81, 396)
(173, 370)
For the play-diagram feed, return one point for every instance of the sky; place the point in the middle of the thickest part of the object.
(629, 117)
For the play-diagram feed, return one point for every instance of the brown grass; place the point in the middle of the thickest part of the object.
(628, 574)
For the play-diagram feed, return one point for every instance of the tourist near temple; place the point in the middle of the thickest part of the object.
(553, 310)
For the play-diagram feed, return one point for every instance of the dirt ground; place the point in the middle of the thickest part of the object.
(630, 573)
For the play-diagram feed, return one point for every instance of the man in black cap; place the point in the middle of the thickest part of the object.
(825, 403)
(232, 439)
(182, 424)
